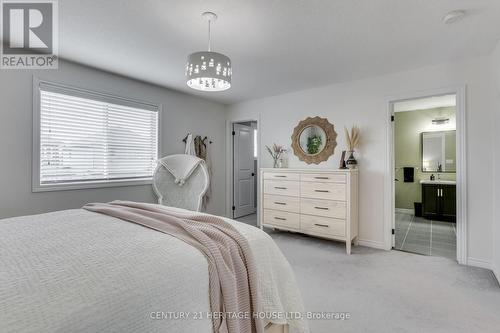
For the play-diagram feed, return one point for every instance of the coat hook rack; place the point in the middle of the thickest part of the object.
(205, 138)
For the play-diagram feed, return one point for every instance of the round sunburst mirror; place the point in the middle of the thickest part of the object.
(314, 140)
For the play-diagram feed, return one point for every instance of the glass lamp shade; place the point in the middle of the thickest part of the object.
(208, 71)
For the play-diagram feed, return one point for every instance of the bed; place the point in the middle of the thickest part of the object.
(80, 271)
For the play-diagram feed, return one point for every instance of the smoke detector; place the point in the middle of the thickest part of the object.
(454, 16)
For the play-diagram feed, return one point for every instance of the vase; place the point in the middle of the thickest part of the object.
(280, 163)
(351, 161)
(276, 163)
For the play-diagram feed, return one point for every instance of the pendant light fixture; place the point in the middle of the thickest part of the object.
(207, 70)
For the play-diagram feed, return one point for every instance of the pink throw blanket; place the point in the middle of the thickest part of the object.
(232, 272)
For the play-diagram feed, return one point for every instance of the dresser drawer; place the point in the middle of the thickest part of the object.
(323, 177)
(322, 226)
(328, 191)
(327, 208)
(281, 202)
(281, 176)
(281, 219)
(281, 187)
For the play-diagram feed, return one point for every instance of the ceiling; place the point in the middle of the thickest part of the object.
(276, 46)
(426, 103)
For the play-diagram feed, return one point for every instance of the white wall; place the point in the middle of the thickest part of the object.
(364, 103)
(181, 113)
(496, 220)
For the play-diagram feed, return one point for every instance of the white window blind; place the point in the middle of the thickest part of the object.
(92, 138)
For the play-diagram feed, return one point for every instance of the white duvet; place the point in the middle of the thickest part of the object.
(79, 271)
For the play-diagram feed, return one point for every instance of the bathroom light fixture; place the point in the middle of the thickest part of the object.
(207, 70)
(454, 16)
(440, 121)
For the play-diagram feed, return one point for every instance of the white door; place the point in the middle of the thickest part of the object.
(243, 171)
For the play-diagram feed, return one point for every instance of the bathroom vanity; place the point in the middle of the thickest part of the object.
(439, 200)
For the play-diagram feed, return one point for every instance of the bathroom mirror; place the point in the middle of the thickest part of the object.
(439, 151)
(314, 140)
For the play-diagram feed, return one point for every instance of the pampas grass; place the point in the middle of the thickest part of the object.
(276, 151)
(353, 138)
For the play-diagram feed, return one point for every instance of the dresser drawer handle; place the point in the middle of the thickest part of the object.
(322, 191)
(321, 177)
(280, 203)
(280, 176)
(279, 218)
(322, 208)
(280, 188)
(322, 225)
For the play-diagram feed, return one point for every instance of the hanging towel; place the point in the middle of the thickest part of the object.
(408, 173)
(201, 149)
(181, 166)
(189, 150)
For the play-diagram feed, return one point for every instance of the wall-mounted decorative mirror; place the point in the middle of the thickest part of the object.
(439, 151)
(314, 140)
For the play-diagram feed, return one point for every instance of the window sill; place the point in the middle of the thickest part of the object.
(90, 185)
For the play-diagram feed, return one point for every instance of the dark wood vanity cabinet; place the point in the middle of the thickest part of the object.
(439, 202)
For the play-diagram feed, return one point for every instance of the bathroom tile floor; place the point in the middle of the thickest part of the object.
(427, 237)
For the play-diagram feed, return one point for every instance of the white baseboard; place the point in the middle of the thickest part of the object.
(404, 211)
(479, 263)
(372, 243)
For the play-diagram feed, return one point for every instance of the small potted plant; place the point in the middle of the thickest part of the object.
(276, 152)
(352, 139)
(313, 144)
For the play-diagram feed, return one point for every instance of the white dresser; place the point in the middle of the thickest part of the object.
(317, 202)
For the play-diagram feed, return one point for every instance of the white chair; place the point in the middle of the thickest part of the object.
(189, 194)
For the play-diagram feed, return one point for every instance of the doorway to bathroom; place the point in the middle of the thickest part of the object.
(425, 156)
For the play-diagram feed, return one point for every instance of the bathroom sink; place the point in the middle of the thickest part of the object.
(444, 182)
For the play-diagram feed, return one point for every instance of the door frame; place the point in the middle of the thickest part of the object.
(461, 167)
(229, 164)
(248, 127)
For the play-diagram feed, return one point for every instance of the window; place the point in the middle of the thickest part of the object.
(255, 143)
(85, 139)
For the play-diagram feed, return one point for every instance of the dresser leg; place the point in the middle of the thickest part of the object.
(348, 247)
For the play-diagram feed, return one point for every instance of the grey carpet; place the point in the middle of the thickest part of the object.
(248, 219)
(390, 291)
